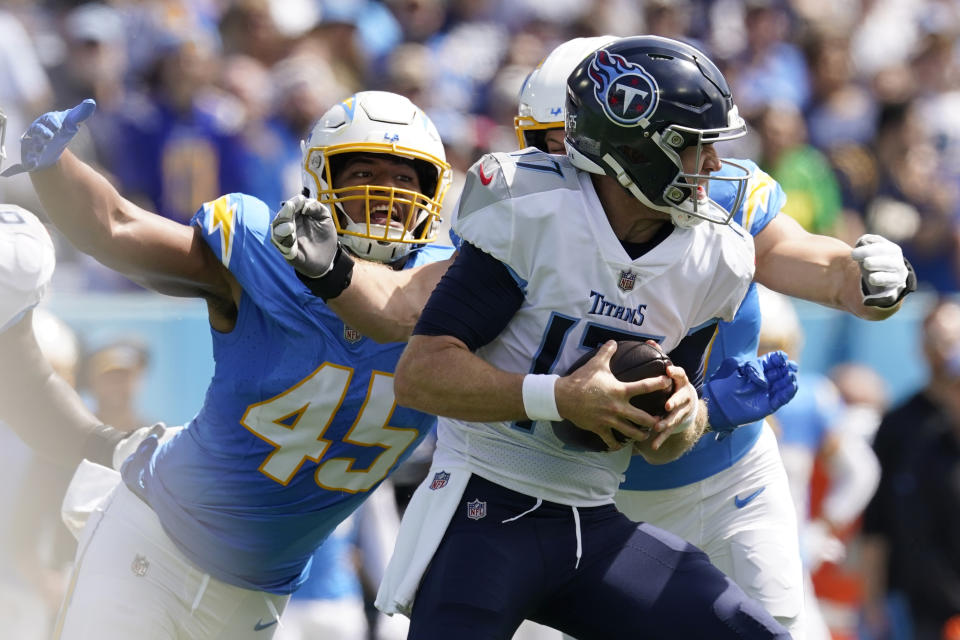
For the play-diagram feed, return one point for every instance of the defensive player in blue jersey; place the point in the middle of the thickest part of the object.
(209, 532)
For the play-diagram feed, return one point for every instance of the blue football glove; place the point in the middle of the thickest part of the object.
(739, 394)
(48, 136)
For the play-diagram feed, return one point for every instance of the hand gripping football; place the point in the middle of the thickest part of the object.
(633, 360)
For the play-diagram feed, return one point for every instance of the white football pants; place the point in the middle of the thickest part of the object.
(752, 537)
(130, 581)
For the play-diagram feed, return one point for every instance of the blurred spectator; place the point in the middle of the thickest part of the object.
(810, 427)
(914, 204)
(94, 66)
(113, 375)
(253, 27)
(770, 67)
(180, 144)
(841, 111)
(886, 32)
(25, 92)
(813, 196)
(911, 562)
(838, 584)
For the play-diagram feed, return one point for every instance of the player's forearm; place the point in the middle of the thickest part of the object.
(438, 375)
(40, 407)
(384, 304)
(812, 267)
(83, 205)
(151, 250)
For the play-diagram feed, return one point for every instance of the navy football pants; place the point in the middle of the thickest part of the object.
(632, 581)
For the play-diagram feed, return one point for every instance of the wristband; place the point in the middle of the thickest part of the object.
(100, 444)
(539, 401)
(332, 283)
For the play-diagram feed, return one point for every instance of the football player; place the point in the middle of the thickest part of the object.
(209, 532)
(557, 258)
(40, 406)
(729, 496)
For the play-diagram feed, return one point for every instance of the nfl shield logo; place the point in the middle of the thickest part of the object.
(139, 565)
(476, 510)
(351, 335)
(439, 480)
(627, 280)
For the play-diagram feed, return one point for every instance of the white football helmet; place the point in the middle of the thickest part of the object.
(544, 92)
(382, 123)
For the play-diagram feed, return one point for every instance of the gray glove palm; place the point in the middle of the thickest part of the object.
(304, 232)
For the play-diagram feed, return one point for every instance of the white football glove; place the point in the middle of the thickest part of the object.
(884, 275)
(126, 447)
(304, 232)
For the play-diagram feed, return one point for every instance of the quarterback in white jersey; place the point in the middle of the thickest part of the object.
(524, 207)
(558, 258)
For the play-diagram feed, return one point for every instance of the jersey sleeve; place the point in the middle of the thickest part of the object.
(764, 198)
(485, 214)
(237, 228)
(508, 203)
(27, 261)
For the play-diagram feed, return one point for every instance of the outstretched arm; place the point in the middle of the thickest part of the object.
(384, 304)
(826, 270)
(149, 249)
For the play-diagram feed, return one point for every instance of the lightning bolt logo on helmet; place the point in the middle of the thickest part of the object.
(627, 93)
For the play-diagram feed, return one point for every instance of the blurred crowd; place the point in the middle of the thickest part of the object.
(854, 104)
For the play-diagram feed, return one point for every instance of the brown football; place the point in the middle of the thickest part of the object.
(633, 360)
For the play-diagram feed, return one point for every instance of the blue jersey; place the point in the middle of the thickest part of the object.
(298, 426)
(737, 338)
(334, 573)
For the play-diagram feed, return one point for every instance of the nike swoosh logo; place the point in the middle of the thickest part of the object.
(742, 502)
(483, 177)
(260, 626)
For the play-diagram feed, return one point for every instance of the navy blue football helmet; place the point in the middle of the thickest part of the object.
(634, 105)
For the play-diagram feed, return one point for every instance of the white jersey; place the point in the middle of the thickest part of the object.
(542, 218)
(26, 262)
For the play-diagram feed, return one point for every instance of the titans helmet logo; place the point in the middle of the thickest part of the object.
(627, 93)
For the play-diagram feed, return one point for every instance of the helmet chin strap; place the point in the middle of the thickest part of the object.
(679, 218)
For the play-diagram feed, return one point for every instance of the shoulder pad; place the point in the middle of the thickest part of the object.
(502, 176)
(226, 221)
